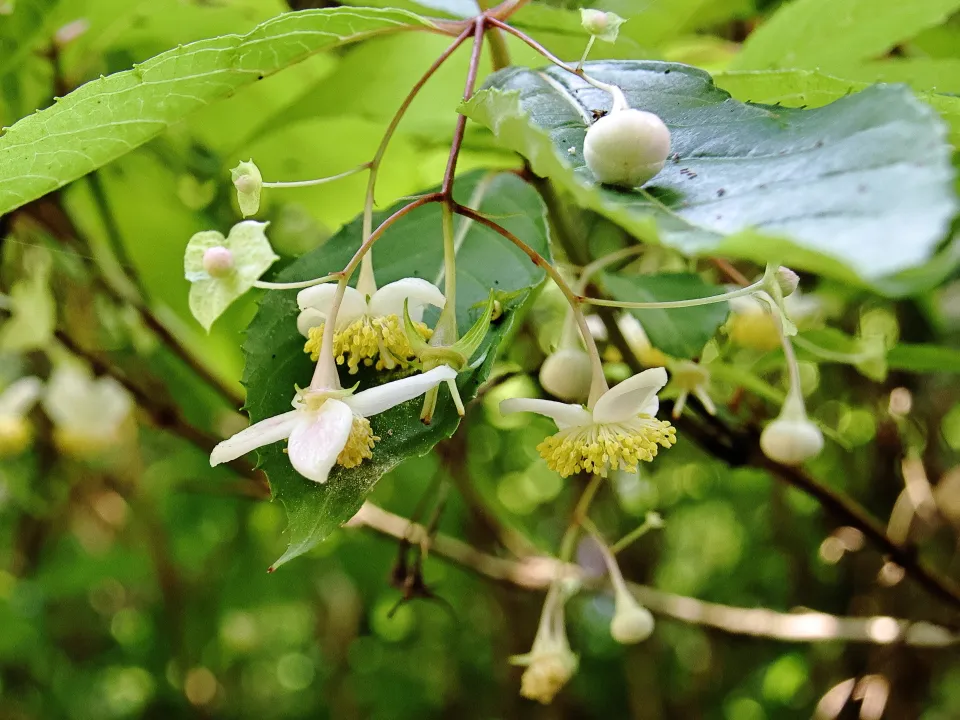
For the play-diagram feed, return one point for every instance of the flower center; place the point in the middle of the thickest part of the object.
(359, 445)
(369, 339)
(598, 448)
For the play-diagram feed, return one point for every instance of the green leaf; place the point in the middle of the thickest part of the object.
(275, 360)
(106, 118)
(924, 358)
(831, 34)
(940, 75)
(857, 190)
(21, 31)
(680, 333)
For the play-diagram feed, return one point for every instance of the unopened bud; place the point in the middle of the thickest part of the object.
(654, 520)
(626, 147)
(566, 374)
(791, 441)
(248, 182)
(787, 279)
(218, 261)
(632, 623)
(605, 25)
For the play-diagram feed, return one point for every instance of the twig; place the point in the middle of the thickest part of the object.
(537, 572)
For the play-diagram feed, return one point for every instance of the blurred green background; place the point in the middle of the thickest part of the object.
(133, 584)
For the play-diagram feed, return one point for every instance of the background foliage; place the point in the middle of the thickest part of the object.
(136, 586)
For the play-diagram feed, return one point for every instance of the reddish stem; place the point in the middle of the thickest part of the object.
(479, 27)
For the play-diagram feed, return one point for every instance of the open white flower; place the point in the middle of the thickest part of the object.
(88, 414)
(369, 326)
(619, 432)
(15, 402)
(690, 377)
(329, 427)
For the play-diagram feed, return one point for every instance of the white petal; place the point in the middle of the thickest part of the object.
(20, 396)
(320, 298)
(309, 318)
(631, 397)
(388, 300)
(318, 438)
(257, 435)
(563, 414)
(377, 399)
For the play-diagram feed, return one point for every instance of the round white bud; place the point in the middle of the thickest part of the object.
(787, 279)
(791, 441)
(632, 623)
(626, 147)
(218, 261)
(566, 374)
(593, 21)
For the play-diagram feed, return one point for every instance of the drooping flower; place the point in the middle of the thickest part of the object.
(221, 269)
(89, 414)
(15, 402)
(550, 663)
(690, 377)
(620, 430)
(627, 147)
(791, 438)
(638, 341)
(567, 372)
(329, 427)
(369, 327)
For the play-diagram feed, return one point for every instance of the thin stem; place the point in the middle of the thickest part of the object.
(317, 181)
(474, 69)
(693, 302)
(445, 332)
(568, 543)
(619, 101)
(637, 533)
(263, 285)
(598, 384)
(613, 569)
(586, 51)
(794, 401)
(499, 54)
(597, 265)
(830, 355)
(325, 374)
(392, 128)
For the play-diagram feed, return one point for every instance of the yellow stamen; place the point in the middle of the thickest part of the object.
(361, 342)
(359, 445)
(599, 448)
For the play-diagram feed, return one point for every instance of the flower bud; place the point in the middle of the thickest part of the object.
(632, 623)
(605, 25)
(787, 279)
(791, 441)
(566, 374)
(248, 182)
(626, 147)
(546, 675)
(218, 261)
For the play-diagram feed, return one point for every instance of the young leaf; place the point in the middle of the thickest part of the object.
(106, 118)
(412, 247)
(680, 333)
(858, 190)
(832, 34)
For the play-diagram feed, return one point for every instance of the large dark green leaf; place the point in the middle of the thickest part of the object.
(275, 360)
(860, 189)
(683, 332)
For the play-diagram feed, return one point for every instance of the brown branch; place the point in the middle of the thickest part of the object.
(537, 572)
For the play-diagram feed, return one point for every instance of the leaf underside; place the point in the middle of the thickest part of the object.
(412, 247)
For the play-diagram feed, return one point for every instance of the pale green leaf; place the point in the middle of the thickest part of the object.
(924, 358)
(832, 34)
(859, 190)
(106, 118)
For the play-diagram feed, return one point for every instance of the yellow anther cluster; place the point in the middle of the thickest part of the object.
(359, 445)
(598, 448)
(546, 675)
(15, 436)
(369, 339)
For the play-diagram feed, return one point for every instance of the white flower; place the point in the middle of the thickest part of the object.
(550, 663)
(639, 343)
(88, 414)
(690, 377)
(369, 325)
(567, 373)
(329, 427)
(15, 402)
(632, 622)
(791, 441)
(617, 433)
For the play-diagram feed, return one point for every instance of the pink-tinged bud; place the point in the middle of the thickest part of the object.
(218, 261)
